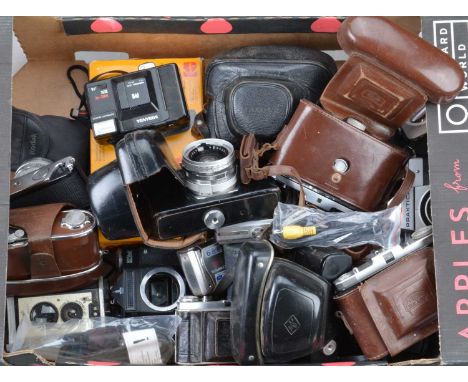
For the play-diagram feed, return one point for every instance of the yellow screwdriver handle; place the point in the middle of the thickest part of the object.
(292, 232)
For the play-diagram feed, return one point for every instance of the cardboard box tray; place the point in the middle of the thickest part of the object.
(42, 87)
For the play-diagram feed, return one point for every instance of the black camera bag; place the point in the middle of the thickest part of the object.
(50, 137)
(255, 89)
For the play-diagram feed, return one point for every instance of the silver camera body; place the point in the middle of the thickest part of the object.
(203, 267)
(417, 204)
(204, 335)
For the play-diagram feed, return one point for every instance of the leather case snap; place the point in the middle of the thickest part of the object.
(395, 308)
(256, 89)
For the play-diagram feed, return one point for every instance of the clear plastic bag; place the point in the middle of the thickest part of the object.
(136, 340)
(295, 227)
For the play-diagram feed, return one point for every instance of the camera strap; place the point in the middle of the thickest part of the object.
(250, 169)
(404, 188)
(169, 244)
(38, 223)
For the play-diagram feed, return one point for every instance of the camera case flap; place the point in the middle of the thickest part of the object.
(377, 87)
(393, 309)
(279, 309)
(61, 251)
(140, 156)
(138, 100)
(325, 152)
(256, 89)
(109, 203)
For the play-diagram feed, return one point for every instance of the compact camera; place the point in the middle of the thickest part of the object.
(150, 281)
(417, 204)
(203, 336)
(55, 308)
(147, 98)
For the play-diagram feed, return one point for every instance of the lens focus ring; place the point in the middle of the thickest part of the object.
(209, 166)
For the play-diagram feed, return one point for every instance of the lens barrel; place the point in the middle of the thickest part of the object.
(209, 166)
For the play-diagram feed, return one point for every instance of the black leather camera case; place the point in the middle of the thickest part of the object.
(256, 89)
(48, 136)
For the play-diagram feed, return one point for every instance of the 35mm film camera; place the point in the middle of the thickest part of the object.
(143, 99)
(150, 281)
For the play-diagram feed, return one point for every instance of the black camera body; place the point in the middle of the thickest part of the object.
(203, 337)
(142, 186)
(248, 202)
(147, 98)
(150, 281)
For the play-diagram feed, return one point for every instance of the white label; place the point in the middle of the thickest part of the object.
(104, 127)
(143, 347)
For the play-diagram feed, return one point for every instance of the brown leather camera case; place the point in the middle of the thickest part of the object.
(390, 75)
(48, 265)
(395, 308)
(313, 140)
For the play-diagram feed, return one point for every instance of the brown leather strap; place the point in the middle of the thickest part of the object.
(358, 253)
(38, 222)
(405, 187)
(288, 171)
(169, 244)
(249, 161)
(176, 243)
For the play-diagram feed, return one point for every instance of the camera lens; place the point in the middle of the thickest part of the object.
(70, 311)
(44, 312)
(160, 289)
(425, 209)
(209, 166)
